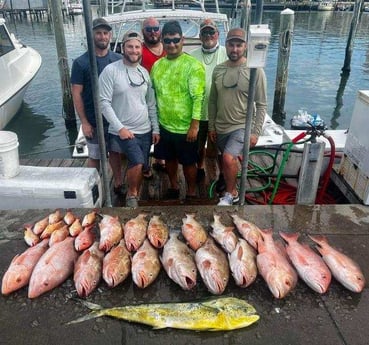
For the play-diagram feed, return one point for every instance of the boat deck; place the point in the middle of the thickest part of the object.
(303, 317)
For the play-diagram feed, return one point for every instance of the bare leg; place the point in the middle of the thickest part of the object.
(230, 170)
(115, 161)
(190, 172)
(134, 179)
(93, 163)
(172, 169)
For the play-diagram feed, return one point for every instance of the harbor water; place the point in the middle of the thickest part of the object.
(314, 83)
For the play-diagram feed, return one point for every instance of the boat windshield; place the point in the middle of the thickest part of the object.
(6, 44)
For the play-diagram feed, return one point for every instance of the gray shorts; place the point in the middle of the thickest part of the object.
(93, 145)
(232, 142)
(137, 150)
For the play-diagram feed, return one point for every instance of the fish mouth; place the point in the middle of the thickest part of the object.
(190, 283)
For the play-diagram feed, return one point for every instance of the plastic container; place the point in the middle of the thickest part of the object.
(9, 157)
(51, 187)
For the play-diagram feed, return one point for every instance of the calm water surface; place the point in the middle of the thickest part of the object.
(314, 83)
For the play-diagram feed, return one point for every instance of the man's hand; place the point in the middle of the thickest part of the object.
(124, 133)
(87, 129)
(212, 136)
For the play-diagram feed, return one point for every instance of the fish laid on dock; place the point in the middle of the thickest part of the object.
(157, 232)
(193, 232)
(111, 232)
(249, 231)
(218, 314)
(343, 268)
(224, 235)
(135, 232)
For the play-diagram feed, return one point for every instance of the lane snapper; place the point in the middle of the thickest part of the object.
(145, 265)
(29, 236)
(157, 232)
(75, 228)
(309, 265)
(87, 270)
(213, 266)
(242, 263)
(89, 219)
(249, 231)
(217, 314)
(135, 232)
(111, 232)
(116, 265)
(69, 217)
(41, 225)
(224, 235)
(193, 232)
(343, 268)
(20, 269)
(178, 261)
(59, 235)
(53, 268)
(84, 239)
(274, 267)
(51, 228)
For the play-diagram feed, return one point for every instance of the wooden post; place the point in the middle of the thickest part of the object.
(69, 113)
(354, 22)
(311, 166)
(285, 39)
(102, 8)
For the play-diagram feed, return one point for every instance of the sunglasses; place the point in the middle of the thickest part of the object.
(136, 83)
(208, 33)
(175, 40)
(152, 28)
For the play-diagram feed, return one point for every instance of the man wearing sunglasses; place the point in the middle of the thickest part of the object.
(128, 103)
(179, 83)
(152, 50)
(228, 108)
(211, 53)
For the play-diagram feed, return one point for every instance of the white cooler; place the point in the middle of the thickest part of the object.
(51, 187)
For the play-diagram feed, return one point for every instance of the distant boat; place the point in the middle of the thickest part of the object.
(326, 6)
(18, 66)
(75, 8)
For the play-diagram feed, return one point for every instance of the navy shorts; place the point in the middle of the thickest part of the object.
(137, 150)
(174, 146)
(232, 142)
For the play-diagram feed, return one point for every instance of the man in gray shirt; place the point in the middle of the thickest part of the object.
(128, 103)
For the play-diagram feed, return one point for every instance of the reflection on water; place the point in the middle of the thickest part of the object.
(314, 83)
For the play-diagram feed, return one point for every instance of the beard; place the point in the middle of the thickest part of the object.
(132, 58)
(152, 39)
(101, 45)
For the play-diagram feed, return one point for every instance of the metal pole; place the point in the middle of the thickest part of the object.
(285, 39)
(68, 106)
(95, 94)
(249, 115)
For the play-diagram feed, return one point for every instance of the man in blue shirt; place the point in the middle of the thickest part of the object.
(83, 99)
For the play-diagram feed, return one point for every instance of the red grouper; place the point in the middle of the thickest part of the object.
(53, 268)
(20, 269)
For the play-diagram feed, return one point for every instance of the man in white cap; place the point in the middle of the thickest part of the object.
(82, 91)
(127, 101)
(228, 109)
(211, 53)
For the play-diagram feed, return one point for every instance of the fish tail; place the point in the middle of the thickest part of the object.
(97, 311)
(288, 236)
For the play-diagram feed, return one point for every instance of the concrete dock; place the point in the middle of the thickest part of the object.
(302, 317)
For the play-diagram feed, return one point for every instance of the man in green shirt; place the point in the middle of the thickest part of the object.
(179, 83)
(228, 109)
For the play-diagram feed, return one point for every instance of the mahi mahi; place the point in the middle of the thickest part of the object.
(217, 314)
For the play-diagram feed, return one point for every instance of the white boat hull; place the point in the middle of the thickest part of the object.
(19, 64)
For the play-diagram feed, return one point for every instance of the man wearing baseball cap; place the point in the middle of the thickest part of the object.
(82, 92)
(228, 109)
(211, 53)
(127, 101)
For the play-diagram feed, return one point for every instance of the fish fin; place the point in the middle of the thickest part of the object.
(89, 305)
(92, 315)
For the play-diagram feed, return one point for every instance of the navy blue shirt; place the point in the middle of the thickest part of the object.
(81, 75)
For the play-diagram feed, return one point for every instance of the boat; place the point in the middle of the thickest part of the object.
(190, 19)
(75, 8)
(19, 64)
(326, 6)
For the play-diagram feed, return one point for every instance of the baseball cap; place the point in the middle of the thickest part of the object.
(208, 23)
(236, 34)
(132, 35)
(100, 22)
